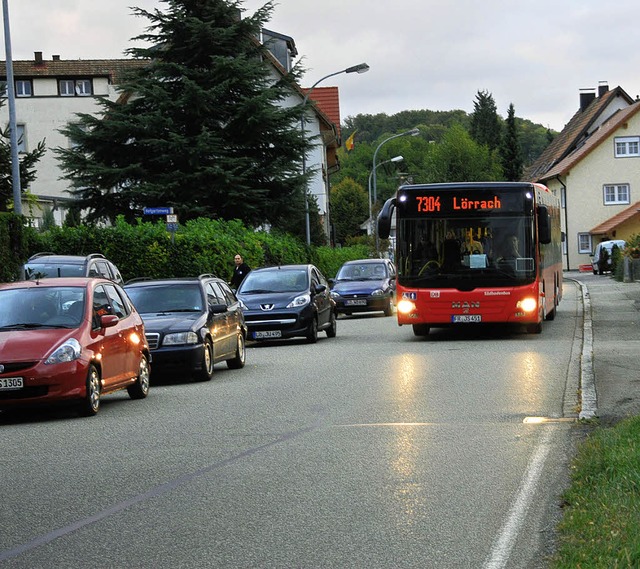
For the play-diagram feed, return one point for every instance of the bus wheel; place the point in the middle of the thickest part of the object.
(420, 329)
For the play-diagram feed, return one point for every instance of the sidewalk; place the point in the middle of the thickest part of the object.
(615, 319)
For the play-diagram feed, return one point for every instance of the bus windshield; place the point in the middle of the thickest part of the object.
(466, 252)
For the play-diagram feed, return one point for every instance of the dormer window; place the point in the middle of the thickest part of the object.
(75, 87)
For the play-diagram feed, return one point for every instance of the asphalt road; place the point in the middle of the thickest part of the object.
(375, 449)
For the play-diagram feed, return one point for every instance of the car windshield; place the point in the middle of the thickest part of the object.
(278, 280)
(42, 307)
(170, 297)
(51, 270)
(362, 272)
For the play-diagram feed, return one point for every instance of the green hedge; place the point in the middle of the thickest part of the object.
(146, 249)
(13, 248)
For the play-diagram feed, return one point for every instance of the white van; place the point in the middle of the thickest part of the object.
(601, 261)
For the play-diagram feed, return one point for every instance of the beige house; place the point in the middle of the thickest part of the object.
(594, 166)
(51, 92)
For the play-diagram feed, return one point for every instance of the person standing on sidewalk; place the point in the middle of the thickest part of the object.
(240, 271)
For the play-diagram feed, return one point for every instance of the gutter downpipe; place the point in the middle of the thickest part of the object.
(566, 219)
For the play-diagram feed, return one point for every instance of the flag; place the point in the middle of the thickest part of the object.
(349, 142)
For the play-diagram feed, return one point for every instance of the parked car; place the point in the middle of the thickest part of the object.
(69, 340)
(47, 265)
(191, 324)
(365, 285)
(287, 301)
(602, 260)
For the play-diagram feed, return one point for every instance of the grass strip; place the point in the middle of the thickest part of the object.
(601, 521)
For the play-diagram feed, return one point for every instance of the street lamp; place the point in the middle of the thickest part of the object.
(412, 132)
(360, 68)
(394, 159)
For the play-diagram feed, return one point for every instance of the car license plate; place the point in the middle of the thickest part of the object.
(261, 335)
(10, 383)
(466, 318)
(356, 302)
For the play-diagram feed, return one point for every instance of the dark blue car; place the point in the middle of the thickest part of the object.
(366, 285)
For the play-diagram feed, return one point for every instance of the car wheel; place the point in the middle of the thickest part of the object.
(312, 332)
(205, 373)
(332, 330)
(140, 389)
(388, 309)
(420, 329)
(238, 360)
(91, 403)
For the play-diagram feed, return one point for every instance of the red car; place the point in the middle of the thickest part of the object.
(69, 340)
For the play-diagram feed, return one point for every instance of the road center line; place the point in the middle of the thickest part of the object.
(509, 533)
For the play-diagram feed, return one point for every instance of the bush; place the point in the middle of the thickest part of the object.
(146, 249)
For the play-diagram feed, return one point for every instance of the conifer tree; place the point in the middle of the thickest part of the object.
(485, 122)
(200, 128)
(511, 155)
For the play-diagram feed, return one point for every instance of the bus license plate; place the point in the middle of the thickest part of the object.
(261, 335)
(465, 318)
(10, 383)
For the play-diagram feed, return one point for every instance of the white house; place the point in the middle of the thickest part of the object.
(594, 166)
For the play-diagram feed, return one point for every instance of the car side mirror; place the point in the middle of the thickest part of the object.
(332, 282)
(108, 320)
(218, 308)
(320, 288)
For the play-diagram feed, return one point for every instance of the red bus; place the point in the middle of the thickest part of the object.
(475, 252)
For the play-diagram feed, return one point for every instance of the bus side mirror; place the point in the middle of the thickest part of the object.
(544, 225)
(384, 218)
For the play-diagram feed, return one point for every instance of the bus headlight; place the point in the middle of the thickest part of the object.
(405, 306)
(528, 304)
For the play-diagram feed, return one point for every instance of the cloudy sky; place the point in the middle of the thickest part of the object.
(423, 54)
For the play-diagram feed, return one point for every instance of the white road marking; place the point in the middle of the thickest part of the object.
(509, 533)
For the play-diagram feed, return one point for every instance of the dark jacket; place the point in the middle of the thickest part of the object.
(239, 272)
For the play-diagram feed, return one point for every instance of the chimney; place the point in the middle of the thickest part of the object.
(38, 57)
(55, 57)
(603, 87)
(586, 96)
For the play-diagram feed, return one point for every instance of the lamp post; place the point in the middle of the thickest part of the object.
(15, 164)
(360, 68)
(394, 159)
(412, 132)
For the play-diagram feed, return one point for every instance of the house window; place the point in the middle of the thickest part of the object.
(73, 88)
(616, 194)
(627, 146)
(24, 88)
(584, 243)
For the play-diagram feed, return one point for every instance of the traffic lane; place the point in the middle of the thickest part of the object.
(220, 437)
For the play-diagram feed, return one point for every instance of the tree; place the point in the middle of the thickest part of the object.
(200, 128)
(485, 122)
(349, 209)
(458, 158)
(27, 160)
(510, 149)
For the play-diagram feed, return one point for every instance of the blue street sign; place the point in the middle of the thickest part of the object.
(172, 227)
(157, 210)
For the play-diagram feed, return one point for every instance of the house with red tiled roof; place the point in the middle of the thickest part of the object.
(594, 166)
(50, 92)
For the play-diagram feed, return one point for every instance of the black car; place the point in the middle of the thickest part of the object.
(287, 301)
(365, 285)
(48, 265)
(190, 324)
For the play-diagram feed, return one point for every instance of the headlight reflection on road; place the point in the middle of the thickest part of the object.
(528, 371)
(408, 382)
